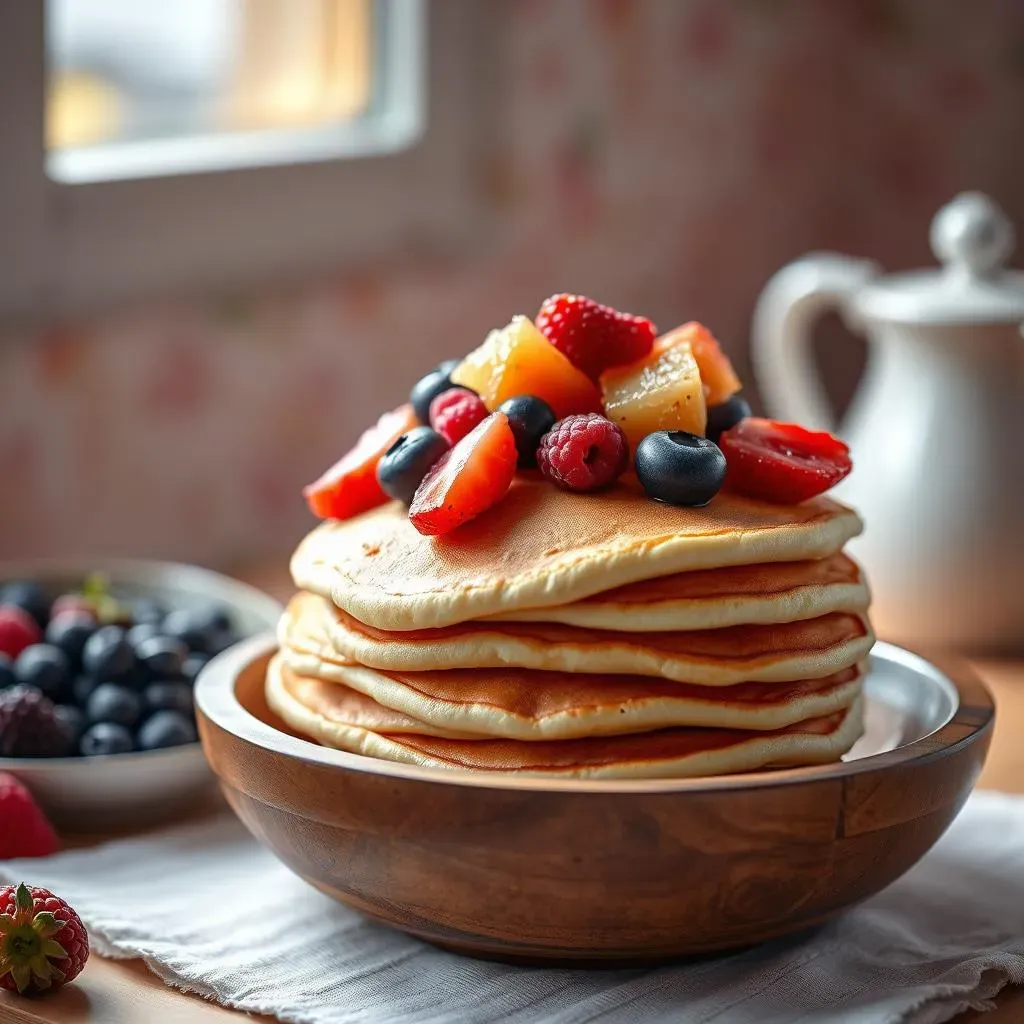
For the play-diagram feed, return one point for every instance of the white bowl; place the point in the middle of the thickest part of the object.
(92, 793)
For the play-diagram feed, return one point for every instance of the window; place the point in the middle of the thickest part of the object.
(206, 143)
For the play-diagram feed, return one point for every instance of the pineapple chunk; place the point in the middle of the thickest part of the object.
(662, 391)
(721, 381)
(519, 360)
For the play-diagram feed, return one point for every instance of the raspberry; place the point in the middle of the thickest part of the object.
(455, 412)
(593, 337)
(18, 630)
(582, 453)
(43, 943)
(29, 725)
(26, 832)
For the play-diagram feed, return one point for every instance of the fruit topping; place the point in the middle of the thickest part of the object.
(455, 412)
(530, 419)
(45, 667)
(350, 485)
(663, 391)
(427, 388)
(18, 630)
(519, 360)
(725, 415)
(29, 726)
(716, 372)
(68, 631)
(107, 655)
(583, 453)
(166, 729)
(26, 832)
(782, 462)
(30, 598)
(404, 465)
(594, 337)
(112, 703)
(105, 738)
(468, 479)
(43, 943)
(680, 468)
(162, 657)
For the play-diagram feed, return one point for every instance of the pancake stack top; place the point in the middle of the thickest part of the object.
(560, 633)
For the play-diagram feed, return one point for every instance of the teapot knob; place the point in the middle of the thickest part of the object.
(972, 234)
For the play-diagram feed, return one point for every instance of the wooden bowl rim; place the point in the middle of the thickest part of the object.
(216, 701)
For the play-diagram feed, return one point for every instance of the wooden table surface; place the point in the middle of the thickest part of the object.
(125, 992)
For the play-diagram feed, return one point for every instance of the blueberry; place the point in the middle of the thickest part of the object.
(74, 722)
(105, 738)
(194, 664)
(530, 419)
(428, 388)
(166, 729)
(680, 468)
(142, 632)
(219, 619)
(404, 465)
(725, 415)
(47, 668)
(108, 655)
(82, 689)
(147, 611)
(170, 696)
(69, 631)
(7, 676)
(190, 627)
(112, 703)
(162, 657)
(30, 597)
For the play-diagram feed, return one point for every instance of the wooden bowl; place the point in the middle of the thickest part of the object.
(603, 872)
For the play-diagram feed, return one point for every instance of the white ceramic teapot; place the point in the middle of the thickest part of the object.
(936, 429)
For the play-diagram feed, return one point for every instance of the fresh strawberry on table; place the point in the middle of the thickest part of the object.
(594, 337)
(24, 830)
(43, 943)
(350, 486)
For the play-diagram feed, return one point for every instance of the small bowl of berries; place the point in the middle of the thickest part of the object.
(97, 667)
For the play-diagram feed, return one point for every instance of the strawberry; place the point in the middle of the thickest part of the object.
(25, 832)
(455, 412)
(594, 337)
(43, 943)
(350, 486)
(468, 479)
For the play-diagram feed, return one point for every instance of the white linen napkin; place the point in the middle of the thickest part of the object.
(212, 912)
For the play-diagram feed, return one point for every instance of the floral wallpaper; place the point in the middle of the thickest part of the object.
(665, 156)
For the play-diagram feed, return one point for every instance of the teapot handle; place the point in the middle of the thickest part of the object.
(784, 319)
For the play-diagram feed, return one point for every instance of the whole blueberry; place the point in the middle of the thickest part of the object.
(427, 388)
(112, 703)
(162, 657)
(147, 611)
(82, 687)
(530, 418)
(69, 631)
(107, 655)
(141, 632)
(166, 729)
(105, 738)
(194, 664)
(725, 415)
(680, 468)
(190, 627)
(219, 618)
(7, 676)
(74, 721)
(30, 597)
(169, 696)
(404, 465)
(45, 667)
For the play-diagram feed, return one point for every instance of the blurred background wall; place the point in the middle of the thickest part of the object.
(664, 156)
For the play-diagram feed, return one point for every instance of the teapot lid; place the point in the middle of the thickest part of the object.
(972, 238)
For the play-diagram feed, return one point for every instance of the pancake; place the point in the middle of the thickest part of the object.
(339, 717)
(540, 547)
(529, 705)
(806, 649)
(713, 598)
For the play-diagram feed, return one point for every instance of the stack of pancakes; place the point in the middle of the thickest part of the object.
(585, 635)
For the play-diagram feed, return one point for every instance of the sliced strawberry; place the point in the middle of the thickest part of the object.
(350, 485)
(469, 478)
(782, 462)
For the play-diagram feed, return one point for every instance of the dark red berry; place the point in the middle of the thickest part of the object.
(30, 726)
(582, 453)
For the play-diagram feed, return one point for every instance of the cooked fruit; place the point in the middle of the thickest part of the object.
(594, 337)
(406, 462)
(583, 453)
(530, 419)
(725, 415)
(350, 485)
(455, 412)
(471, 477)
(782, 462)
(519, 360)
(427, 388)
(663, 391)
(680, 468)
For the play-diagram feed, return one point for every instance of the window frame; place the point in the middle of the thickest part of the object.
(71, 248)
